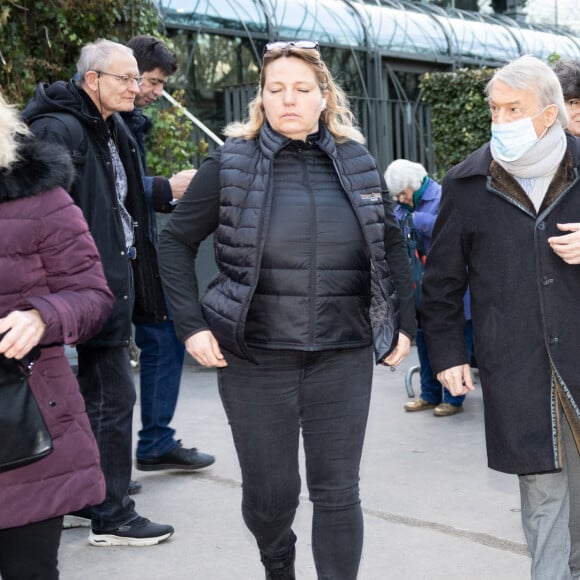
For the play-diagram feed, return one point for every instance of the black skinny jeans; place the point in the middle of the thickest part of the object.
(325, 394)
(30, 552)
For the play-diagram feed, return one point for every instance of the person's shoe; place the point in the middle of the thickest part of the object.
(283, 570)
(286, 573)
(419, 405)
(134, 487)
(178, 458)
(137, 532)
(446, 410)
(80, 519)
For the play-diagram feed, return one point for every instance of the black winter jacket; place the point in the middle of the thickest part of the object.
(244, 202)
(159, 199)
(63, 113)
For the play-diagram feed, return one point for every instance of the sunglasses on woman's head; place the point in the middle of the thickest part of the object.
(281, 44)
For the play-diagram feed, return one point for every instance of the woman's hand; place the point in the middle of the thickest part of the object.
(204, 348)
(400, 352)
(24, 329)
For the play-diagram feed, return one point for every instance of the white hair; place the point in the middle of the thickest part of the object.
(402, 173)
(531, 73)
(97, 55)
(11, 127)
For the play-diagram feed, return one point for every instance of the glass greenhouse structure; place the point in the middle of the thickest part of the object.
(376, 49)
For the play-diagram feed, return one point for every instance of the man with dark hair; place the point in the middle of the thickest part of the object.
(568, 73)
(162, 353)
(83, 116)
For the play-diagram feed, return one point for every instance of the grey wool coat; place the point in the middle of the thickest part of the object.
(525, 305)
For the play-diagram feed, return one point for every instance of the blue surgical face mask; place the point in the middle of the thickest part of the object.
(511, 140)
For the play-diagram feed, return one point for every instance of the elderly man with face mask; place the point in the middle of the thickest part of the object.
(502, 210)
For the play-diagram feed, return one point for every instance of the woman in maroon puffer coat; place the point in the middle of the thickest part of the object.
(52, 292)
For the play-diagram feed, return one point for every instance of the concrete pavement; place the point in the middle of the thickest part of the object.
(433, 510)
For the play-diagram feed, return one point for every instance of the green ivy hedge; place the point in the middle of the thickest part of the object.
(41, 39)
(460, 119)
(41, 42)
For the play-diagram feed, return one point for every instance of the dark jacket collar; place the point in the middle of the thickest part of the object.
(272, 142)
(65, 97)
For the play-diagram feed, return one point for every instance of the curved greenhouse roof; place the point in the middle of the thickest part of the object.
(405, 29)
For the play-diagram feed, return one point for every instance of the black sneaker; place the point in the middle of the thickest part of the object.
(137, 532)
(82, 518)
(178, 458)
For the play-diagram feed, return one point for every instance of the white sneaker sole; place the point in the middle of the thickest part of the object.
(105, 540)
(70, 522)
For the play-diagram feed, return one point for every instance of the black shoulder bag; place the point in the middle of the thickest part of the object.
(24, 437)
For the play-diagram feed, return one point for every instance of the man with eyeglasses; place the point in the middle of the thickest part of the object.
(83, 116)
(161, 352)
(568, 73)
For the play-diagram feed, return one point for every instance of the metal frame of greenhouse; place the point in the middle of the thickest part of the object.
(377, 50)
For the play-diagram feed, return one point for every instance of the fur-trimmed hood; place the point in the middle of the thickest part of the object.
(41, 167)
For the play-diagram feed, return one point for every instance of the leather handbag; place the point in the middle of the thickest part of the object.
(24, 436)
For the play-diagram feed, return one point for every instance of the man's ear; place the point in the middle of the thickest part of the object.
(551, 114)
(91, 80)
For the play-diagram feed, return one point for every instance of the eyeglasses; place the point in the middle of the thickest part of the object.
(574, 104)
(125, 79)
(280, 45)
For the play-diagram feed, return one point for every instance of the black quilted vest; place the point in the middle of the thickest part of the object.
(296, 251)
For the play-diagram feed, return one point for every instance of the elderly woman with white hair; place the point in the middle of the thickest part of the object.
(418, 198)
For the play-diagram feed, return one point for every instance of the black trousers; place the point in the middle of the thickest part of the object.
(31, 552)
(324, 396)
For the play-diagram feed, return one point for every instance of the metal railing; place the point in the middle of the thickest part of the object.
(393, 129)
(199, 133)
